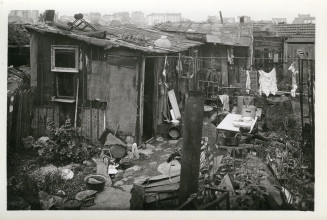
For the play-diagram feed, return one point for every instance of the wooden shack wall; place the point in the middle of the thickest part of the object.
(207, 54)
(108, 89)
(113, 78)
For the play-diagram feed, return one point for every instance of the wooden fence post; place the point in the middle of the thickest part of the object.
(192, 135)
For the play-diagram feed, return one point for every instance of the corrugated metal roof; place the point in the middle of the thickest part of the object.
(229, 34)
(129, 37)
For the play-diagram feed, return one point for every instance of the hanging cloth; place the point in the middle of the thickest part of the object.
(225, 100)
(248, 82)
(268, 82)
(294, 72)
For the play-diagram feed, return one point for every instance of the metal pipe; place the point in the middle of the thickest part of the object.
(192, 135)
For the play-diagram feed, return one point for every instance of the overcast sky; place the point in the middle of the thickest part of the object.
(194, 10)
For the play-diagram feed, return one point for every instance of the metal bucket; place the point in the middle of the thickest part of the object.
(174, 132)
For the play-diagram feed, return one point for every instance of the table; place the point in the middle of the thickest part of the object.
(227, 125)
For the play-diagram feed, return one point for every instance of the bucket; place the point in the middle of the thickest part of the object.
(249, 111)
(174, 132)
(95, 186)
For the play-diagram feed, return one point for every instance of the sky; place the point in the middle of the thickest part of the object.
(190, 9)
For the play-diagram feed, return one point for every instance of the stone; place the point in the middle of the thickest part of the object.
(118, 183)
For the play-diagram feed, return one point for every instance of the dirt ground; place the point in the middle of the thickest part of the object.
(116, 194)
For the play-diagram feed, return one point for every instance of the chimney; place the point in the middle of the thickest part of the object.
(49, 15)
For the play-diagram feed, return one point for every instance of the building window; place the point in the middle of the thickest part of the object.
(64, 59)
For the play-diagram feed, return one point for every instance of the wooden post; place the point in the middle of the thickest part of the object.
(192, 131)
(139, 129)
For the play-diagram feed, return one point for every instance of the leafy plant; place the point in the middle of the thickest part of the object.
(64, 144)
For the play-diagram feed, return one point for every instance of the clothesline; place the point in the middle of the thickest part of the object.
(190, 57)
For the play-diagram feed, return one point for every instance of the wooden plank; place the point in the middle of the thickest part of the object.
(174, 104)
(50, 113)
(101, 121)
(35, 122)
(19, 122)
(164, 182)
(56, 115)
(164, 176)
(42, 121)
(153, 197)
(94, 125)
(165, 188)
(87, 123)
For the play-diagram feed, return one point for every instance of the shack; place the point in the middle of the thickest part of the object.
(224, 58)
(117, 79)
(277, 45)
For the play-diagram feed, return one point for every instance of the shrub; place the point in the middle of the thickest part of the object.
(64, 145)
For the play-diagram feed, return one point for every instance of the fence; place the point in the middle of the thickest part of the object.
(90, 121)
(19, 112)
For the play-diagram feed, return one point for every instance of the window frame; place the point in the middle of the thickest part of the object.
(64, 69)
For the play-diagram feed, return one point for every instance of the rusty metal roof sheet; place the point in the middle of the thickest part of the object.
(129, 37)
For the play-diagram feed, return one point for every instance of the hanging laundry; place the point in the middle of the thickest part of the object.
(248, 82)
(230, 56)
(294, 87)
(268, 82)
(225, 101)
(294, 72)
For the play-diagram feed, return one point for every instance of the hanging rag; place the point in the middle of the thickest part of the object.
(268, 82)
(248, 82)
(294, 87)
(225, 101)
(294, 72)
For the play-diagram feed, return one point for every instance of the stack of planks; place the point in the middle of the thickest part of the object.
(155, 189)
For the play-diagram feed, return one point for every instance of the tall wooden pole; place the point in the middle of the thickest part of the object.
(192, 135)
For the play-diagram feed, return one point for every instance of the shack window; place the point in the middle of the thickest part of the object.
(65, 85)
(64, 58)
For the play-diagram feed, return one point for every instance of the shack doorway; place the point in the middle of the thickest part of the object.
(148, 117)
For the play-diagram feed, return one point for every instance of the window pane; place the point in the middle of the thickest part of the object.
(65, 84)
(65, 58)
